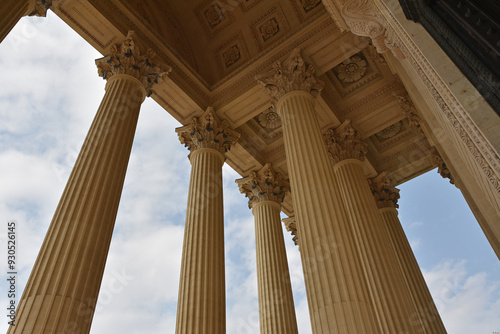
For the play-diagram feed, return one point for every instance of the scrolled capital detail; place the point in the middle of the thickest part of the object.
(39, 7)
(291, 75)
(291, 226)
(386, 196)
(207, 131)
(344, 143)
(127, 58)
(442, 168)
(264, 185)
(408, 108)
(364, 20)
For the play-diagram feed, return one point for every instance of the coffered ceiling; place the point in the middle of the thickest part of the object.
(216, 48)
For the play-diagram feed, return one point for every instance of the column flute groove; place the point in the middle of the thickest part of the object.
(386, 197)
(390, 295)
(201, 303)
(266, 190)
(62, 290)
(336, 289)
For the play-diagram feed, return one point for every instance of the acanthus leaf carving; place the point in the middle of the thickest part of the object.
(40, 7)
(128, 59)
(442, 168)
(408, 108)
(386, 196)
(207, 131)
(264, 185)
(345, 142)
(294, 74)
(291, 226)
(363, 20)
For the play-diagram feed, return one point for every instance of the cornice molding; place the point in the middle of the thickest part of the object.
(457, 117)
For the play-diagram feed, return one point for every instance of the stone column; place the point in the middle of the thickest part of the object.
(390, 295)
(266, 190)
(11, 11)
(202, 303)
(62, 291)
(336, 288)
(386, 197)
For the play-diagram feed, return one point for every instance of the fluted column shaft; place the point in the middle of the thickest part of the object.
(427, 311)
(276, 308)
(390, 295)
(201, 306)
(336, 288)
(62, 291)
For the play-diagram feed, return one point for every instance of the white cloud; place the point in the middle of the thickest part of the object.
(49, 93)
(467, 302)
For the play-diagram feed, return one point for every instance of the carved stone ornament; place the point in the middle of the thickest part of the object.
(127, 59)
(207, 131)
(294, 74)
(264, 185)
(270, 119)
(390, 131)
(362, 20)
(442, 168)
(345, 143)
(407, 107)
(309, 5)
(386, 196)
(40, 8)
(291, 226)
(352, 69)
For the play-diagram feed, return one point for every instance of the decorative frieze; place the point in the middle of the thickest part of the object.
(294, 74)
(264, 185)
(345, 143)
(386, 196)
(127, 58)
(207, 131)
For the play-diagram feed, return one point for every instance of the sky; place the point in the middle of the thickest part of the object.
(49, 94)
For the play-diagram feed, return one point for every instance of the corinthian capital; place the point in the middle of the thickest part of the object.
(407, 107)
(386, 196)
(364, 19)
(294, 74)
(264, 185)
(291, 226)
(127, 58)
(208, 131)
(39, 7)
(442, 168)
(345, 143)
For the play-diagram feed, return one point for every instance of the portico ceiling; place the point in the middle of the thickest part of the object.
(217, 47)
